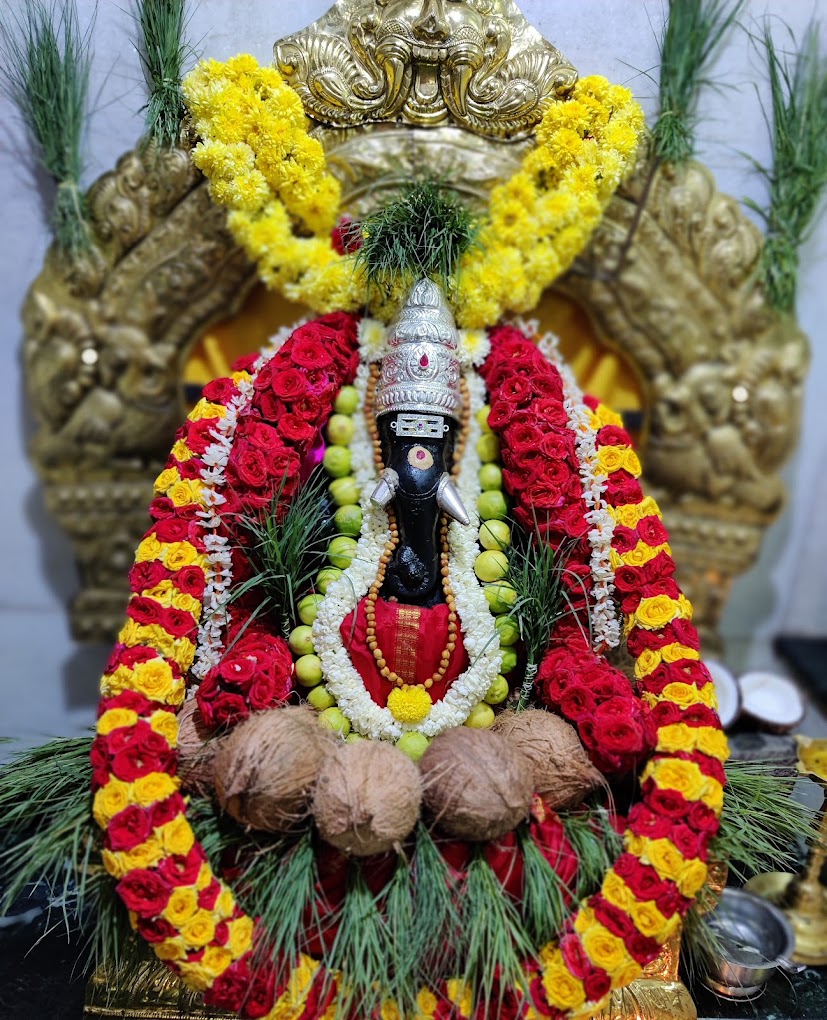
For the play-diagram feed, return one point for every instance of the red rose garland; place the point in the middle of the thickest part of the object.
(192, 919)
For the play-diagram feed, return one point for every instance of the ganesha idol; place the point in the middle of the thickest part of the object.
(389, 573)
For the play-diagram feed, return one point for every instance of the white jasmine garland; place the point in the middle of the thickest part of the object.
(604, 621)
(344, 594)
(215, 616)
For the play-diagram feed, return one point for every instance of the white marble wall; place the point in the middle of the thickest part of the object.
(47, 683)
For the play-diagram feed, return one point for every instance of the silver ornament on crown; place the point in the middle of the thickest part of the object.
(421, 371)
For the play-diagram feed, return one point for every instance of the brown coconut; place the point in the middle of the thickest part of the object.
(562, 771)
(478, 785)
(265, 770)
(196, 751)
(367, 799)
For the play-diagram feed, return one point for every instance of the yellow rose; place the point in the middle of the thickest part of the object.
(146, 855)
(177, 836)
(199, 930)
(181, 906)
(154, 679)
(649, 920)
(647, 662)
(161, 593)
(241, 936)
(185, 492)
(115, 863)
(181, 600)
(626, 974)
(111, 799)
(181, 451)
(115, 719)
(604, 949)
(180, 554)
(168, 477)
(713, 742)
(639, 556)
(154, 636)
(166, 724)
(155, 787)
(631, 462)
(655, 612)
(606, 416)
(665, 858)
(713, 796)
(216, 960)
(636, 845)
(171, 949)
(205, 877)
(682, 694)
(616, 891)
(674, 652)
(677, 737)
(610, 458)
(691, 877)
(676, 774)
(131, 634)
(562, 988)
(149, 549)
(427, 1003)
(194, 975)
(459, 993)
(627, 515)
(205, 409)
(685, 607)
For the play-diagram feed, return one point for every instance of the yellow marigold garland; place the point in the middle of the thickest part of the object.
(268, 172)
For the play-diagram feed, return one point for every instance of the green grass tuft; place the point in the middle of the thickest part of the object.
(44, 69)
(163, 53)
(694, 32)
(424, 232)
(797, 177)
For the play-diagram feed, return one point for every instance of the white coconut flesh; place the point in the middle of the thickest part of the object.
(773, 700)
(727, 690)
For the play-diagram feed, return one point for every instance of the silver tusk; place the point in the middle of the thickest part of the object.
(447, 499)
(385, 488)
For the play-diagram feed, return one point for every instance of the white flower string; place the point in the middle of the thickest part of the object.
(343, 596)
(218, 567)
(604, 621)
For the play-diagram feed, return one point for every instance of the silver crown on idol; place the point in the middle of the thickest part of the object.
(421, 371)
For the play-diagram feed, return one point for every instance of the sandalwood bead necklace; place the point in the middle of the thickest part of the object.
(393, 541)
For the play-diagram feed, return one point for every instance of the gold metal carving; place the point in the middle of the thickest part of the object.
(476, 64)
(669, 282)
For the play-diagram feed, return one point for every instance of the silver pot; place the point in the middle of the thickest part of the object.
(754, 938)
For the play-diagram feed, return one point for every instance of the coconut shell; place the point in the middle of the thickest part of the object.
(563, 773)
(367, 799)
(196, 751)
(478, 785)
(265, 770)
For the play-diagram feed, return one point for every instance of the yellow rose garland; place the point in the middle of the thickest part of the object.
(271, 176)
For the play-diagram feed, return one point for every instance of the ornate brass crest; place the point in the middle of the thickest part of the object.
(476, 64)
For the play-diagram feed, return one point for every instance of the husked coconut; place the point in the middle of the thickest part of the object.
(196, 751)
(478, 785)
(266, 768)
(367, 799)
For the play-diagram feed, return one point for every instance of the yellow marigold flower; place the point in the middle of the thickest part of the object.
(154, 679)
(604, 949)
(171, 949)
(241, 936)
(149, 549)
(656, 611)
(562, 988)
(151, 789)
(111, 799)
(177, 836)
(115, 719)
(409, 705)
(199, 930)
(216, 960)
(181, 906)
(167, 478)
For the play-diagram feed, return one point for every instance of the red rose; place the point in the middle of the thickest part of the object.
(685, 633)
(550, 412)
(182, 870)
(127, 699)
(658, 567)
(199, 434)
(643, 821)
(641, 948)
(613, 435)
(548, 833)
(308, 350)
(624, 539)
(190, 581)
(628, 579)
(166, 810)
(506, 861)
(99, 756)
(207, 897)
(156, 929)
(652, 531)
(622, 488)
(574, 956)
(259, 434)
(559, 446)
(596, 985)
(172, 530)
(702, 818)
(250, 464)
(701, 715)
(286, 383)
(261, 994)
(516, 390)
(143, 610)
(689, 843)
(669, 803)
(642, 879)
(664, 587)
(128, 828)
(219, 391)
(500, 414)
(577, 701)
(229, 990)
(613, 918)
(221, 708)
(146, 575)
(178, 622)
(144, 892)
(294, 429)
(669, 901)
(268, 692)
